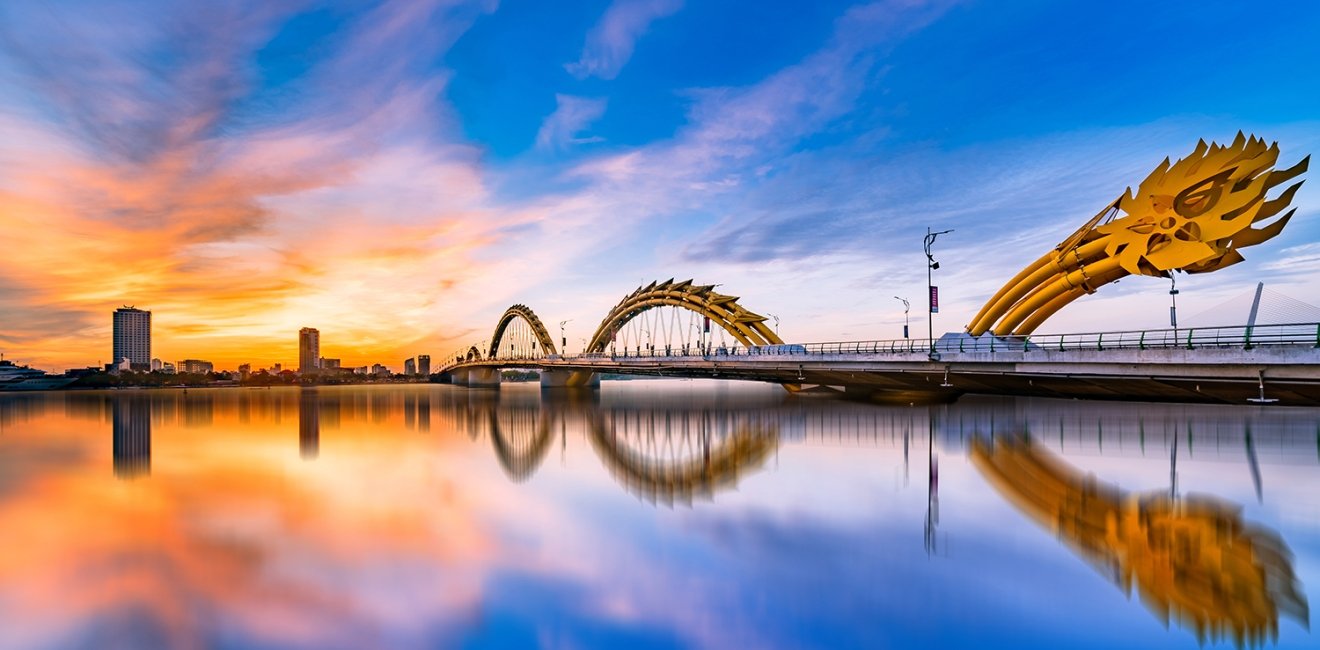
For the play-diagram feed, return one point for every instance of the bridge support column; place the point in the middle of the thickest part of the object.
(483, 378)
(569, 379)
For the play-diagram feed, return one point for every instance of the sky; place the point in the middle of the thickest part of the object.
(397, 173)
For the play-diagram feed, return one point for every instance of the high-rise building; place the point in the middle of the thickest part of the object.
(410, 366)
(424, 364)
(132, 337)
(309, 350)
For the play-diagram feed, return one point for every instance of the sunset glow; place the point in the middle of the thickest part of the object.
(397, 173)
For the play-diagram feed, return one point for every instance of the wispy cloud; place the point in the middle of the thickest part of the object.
(135, 170)
(572, 116)
(610, 43)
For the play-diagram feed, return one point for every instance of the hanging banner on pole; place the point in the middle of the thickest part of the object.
(934, 300)
(707, 326)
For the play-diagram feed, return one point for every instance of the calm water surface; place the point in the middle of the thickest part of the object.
(652, 514)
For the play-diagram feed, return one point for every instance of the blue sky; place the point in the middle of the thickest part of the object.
(397, 173)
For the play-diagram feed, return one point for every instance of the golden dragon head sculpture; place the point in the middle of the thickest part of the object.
(1192, 216)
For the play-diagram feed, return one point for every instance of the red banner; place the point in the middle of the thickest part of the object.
(934, 300)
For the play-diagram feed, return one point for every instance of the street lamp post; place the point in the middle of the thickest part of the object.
(1173, 306)
(931, 265)
(906, 307)
(563, 340)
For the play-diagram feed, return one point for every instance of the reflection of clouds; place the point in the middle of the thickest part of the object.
(223, 545)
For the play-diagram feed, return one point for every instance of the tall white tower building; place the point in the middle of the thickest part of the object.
(132, 337)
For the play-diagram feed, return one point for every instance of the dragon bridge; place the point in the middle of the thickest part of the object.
(1192, 216)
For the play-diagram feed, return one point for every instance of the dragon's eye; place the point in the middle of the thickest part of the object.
(1198, 199)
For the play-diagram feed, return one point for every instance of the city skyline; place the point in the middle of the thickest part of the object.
(210, 164)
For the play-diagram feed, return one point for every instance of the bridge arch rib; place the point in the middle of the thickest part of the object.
(747, 327)
(538, 329)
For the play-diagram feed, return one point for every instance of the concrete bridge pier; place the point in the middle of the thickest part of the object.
(483, 378)
(558, 379)
(475, 377)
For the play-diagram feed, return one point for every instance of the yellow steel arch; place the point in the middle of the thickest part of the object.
(748, 328)
(1190, 216)
(538, 329)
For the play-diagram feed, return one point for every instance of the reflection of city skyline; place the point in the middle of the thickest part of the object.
(1256, 437)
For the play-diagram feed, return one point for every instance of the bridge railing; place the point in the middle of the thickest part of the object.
(1239, 336)
(1191, 338)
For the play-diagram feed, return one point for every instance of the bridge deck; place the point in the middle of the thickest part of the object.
(1156, 366)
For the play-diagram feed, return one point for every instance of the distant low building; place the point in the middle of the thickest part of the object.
(329, 364)
(277, 368)
(122, 365)
(410, 366)
(380, 370)
(244, 370)
(167, 368)
(156, 365)
(424, 364)
(195, 366)
(362, 370)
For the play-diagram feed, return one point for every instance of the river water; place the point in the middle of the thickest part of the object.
(650, 514)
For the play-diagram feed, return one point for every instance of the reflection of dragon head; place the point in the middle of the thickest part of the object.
(1193, 558)
(1193, 215)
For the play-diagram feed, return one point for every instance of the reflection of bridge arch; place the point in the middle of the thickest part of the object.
(748, 328)
(527, 315)
(722, 461)
(520, 452)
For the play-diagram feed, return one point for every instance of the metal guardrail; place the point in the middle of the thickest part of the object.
(1191, 338)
